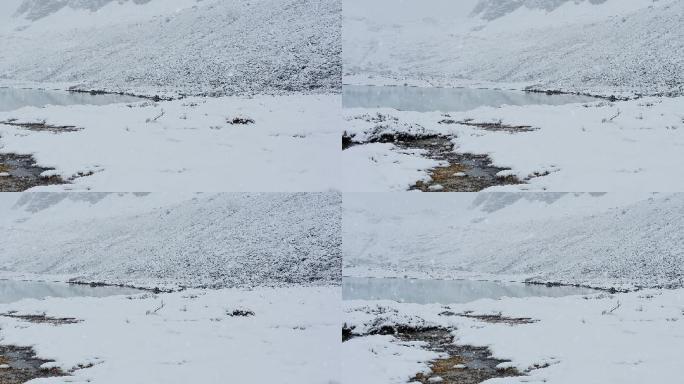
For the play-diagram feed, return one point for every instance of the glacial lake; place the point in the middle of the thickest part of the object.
(14, 98)
(446, 99)
(421, 291)
(12, 290)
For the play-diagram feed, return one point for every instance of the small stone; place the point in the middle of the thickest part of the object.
(505, 365)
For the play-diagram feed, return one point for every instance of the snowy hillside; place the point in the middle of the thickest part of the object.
(199, 47)
(597, 239)
(596, 46)
(206, 240)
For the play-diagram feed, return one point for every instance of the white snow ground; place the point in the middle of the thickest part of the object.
(617, 240)
(293, 336)
(600, 146)
(207, 240)
(292, 144)
(578, 336)
(600, 47)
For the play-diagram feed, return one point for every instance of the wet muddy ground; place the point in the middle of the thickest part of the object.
(492, 319)
(20, 172)
(42, 319)
(497, 126)
(466, 172)
(98, 92)
(465, 364)
(42, 126)
(20, 364)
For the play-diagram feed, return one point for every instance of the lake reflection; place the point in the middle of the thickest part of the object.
(11, 290)
(446, 99)
(446, 291)
(12, 98)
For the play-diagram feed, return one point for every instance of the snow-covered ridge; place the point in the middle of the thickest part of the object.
(63, 208)
(37, 9)
(209, 240)
(493, 9)
(36, 202)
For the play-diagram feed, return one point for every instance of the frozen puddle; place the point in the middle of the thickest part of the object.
(13, 98)
(446, 291)
(446, 99)
(12, 291)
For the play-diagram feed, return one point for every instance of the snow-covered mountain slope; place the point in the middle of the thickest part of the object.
(175, 46)
(597, 46)
(596, 239)
(207, 240)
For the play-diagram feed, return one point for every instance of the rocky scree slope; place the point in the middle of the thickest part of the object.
(212, 48)
(222, 240)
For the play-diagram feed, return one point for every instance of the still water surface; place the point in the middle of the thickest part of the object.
(13, 98)
(446, 99)
(446, 291)
(11, 290)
